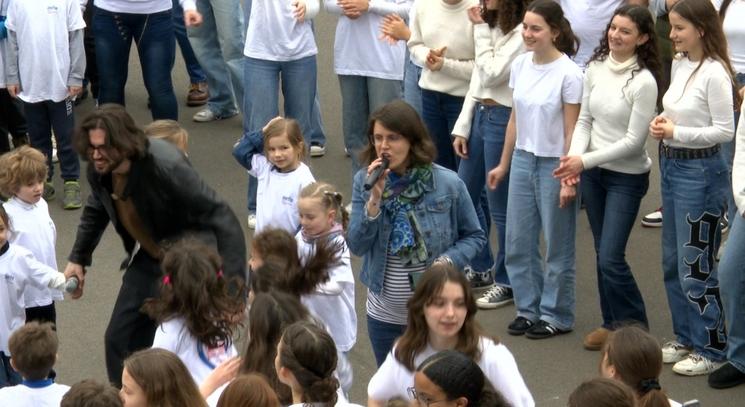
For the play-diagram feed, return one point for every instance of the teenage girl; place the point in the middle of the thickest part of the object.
(633, 356)
(250, 390)
(602, 393)
(479, 133)
(608, 151)
(198, 309)
(306, 360)
(158, 378)
(696, 119)
(274, 156)
(331, 301)
(442, 316)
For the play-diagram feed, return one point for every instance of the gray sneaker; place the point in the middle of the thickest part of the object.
(49, 193)
(495, 297)
(72, 199)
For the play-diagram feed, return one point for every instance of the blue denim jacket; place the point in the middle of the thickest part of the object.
(446, 216)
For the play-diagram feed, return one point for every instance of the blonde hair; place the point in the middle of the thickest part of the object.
(22, 166)
(170, 131)
(291, 128)
(329, 198)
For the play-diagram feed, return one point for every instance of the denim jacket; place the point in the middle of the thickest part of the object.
(446, 216)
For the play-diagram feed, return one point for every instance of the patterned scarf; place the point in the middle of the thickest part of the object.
(399, 196)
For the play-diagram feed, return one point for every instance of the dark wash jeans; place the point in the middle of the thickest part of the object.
(618, 196)
(156, 45)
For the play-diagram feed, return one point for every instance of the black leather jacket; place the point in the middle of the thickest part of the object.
(172, 201)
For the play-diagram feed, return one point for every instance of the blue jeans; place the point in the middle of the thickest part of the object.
(43, 117)
(156, 45)
(218, 45)
(617, 195)
(732, 288)
(485, 145)
(694, 195)
(440, 111)
(412, 91)
(8, 376)
(532, 205)
(382, 337)
(360, 96)
(196, 74)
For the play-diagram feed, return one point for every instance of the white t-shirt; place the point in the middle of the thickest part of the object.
(700, 108)
(274, 34)
(618, 103)
(439, 24)
(357, 48)
(174, 336)
(277, 194)
(25, 396)
(734, 30)
(333, 301)
(539, 93)
(393, 379)
(3, 45)
(19, 270)
(589, 19)
(33, 228)
(42, 28)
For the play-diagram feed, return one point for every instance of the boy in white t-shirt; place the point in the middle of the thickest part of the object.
(45, 68)
(34, 349)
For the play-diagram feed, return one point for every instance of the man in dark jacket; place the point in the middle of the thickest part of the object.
(152, 195)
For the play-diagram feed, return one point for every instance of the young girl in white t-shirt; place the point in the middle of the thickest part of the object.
(331, 301)
(274, 156)
(546, 92)
(198, 308)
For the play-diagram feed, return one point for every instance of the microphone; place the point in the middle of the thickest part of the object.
(72, 284)
(376, 173)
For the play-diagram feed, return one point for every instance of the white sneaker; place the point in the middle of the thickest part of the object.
(317, 150)
(207, 115)
(349, 208)
(251, 221)
(653, 219)
(674, 351)
(696, 365)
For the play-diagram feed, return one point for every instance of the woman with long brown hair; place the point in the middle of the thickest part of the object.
(442, 316)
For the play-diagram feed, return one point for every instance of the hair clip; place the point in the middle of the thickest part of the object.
(167, 279)
(219, 273)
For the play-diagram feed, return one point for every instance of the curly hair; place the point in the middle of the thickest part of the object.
(508, 15)
(122, 133)
(647, 54)
(308, 351)
(195, 290)
(22, 166)
(416, 337)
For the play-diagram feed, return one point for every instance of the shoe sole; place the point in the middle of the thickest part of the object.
(196, 103)
(494, 305)
(214, 119)
(515, 332)
(531, 335)
(692, 374)
(482, 289)
(651, 224)
(71, 207)
(319, 154)
(592, 346)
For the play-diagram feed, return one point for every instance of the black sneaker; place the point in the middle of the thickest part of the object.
(726, 376)
(519, 326)
(479, 281)
(543, 330)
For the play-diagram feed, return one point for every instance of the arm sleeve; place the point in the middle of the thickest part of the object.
(459, 68)
(583, 128)
(77, 58)
(11, 67)
(248, 145)
(165, 338)
(471, 238)
(384, 7)
(332, 7)
(312, 7)
(385, 383)
(571, 88)
(501, 369)
(720, 106)
(738, 168)
(188, 4)
(363, 230)
(494, 63)
(40, 275)
(643, 105)
(416, 45)
(462, 126)
(92, 224)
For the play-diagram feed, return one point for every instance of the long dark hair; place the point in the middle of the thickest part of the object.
(308, 351)
(164, 379)
(508, 15)
(705, 19)
(195, 289)
(122, 133)
(647, 54)
(723, 9)
(270, 314)
(415, 338)
(552, 13)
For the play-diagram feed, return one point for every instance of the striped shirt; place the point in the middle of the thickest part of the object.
(390, 305)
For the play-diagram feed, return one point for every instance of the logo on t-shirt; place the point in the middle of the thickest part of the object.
(288, 200)
(213, 357)
(52, 9)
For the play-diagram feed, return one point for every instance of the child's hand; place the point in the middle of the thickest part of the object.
(263, 129)
(13, 90)
(394, 28)
(474, 15)
(73, 91)
(299, 10)
(354, 6)
(192, 18)
(220, 376)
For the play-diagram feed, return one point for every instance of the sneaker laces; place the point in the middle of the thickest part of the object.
(495, 292)
(675, 345)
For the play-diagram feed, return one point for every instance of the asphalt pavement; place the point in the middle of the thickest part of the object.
(552, 368)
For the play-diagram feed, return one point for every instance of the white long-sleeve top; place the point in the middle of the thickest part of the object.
(34, 229)
(618, 103)
(701, 107)
(393, 379)
(274, 34)
(437, 24)
(490, 79)
(738, 168)
(357, 48)
(734, 30)
(19, 270)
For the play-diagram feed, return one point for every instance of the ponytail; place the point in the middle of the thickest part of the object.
(552, 13)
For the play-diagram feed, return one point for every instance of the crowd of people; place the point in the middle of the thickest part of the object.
(456, 114)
